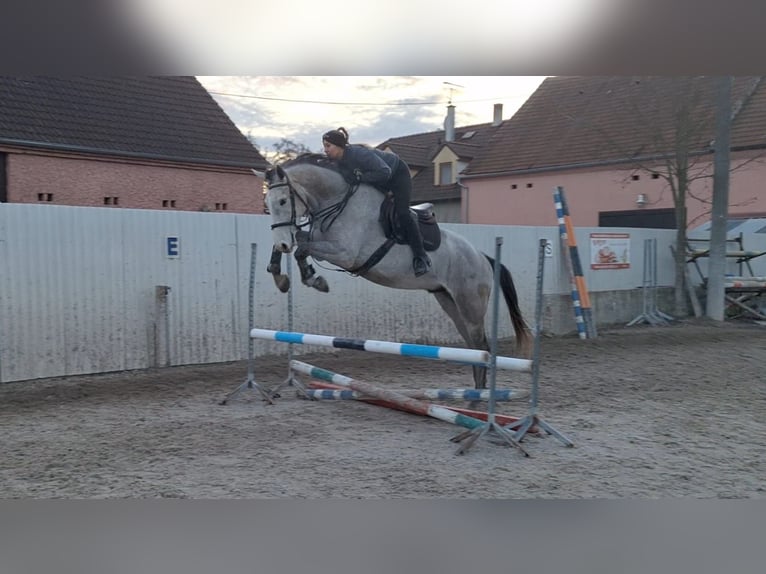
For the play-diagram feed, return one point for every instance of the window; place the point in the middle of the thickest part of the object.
(655, 176)
(44, 197)
(3, 178)
(514, 186)
(221, 206)
(111, 200)
(635, 177)
(445, 173)
(168, 203)
(529, 185)
(468, 135)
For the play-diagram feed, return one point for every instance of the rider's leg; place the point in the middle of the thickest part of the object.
(401, 187)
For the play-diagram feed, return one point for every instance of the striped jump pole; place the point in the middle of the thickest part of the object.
(470, 395)
(466, 356)
(424, 394)
(328, 391)
(401, 401)
(580, 296)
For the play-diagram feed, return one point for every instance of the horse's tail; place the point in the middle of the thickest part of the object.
(520, 327)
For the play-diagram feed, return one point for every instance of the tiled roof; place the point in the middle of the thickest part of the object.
(417, 157)
(419, 150)
(572, 121)
(749, 126)
(167, 117)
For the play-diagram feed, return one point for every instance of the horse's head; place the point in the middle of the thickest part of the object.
(286, 206)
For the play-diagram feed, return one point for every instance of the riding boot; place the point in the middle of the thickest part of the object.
(421, 263)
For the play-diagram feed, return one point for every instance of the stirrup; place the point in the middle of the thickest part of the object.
(421, 265)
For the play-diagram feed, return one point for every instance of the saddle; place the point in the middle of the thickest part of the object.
(425, 219)
(424, 216)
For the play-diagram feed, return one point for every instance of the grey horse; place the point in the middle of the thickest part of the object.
(314, 210)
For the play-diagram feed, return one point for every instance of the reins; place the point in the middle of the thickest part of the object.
(328, 215)
(325, 216)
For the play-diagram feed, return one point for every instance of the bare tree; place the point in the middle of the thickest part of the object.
(681, 143)
(671, 125)
(281, 151)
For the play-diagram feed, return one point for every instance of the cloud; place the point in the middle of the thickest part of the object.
(372, 108)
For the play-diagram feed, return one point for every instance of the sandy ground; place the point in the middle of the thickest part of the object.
(677, 411)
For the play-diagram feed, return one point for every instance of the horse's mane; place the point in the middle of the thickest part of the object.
(310, 158)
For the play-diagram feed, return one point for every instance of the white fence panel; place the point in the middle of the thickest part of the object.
(62, 289)
(81, 289)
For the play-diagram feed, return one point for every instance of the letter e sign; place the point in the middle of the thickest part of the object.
(173, 247)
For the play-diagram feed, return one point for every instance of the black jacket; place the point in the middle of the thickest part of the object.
(375, 166)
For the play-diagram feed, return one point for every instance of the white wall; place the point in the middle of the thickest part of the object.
(78, 289)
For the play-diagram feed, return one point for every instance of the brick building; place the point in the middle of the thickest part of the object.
(123, 142)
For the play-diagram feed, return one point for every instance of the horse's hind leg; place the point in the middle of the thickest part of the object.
(472, 331)
(275, 268)
(308, 276)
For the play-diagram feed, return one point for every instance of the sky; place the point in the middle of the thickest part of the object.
(372, 108)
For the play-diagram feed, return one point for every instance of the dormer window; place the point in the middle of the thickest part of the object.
(445, 173)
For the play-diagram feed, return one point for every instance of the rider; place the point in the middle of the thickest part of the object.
(384, 170)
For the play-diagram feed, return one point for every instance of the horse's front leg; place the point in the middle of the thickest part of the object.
(275, 268)
(308, 276)
(333, 249)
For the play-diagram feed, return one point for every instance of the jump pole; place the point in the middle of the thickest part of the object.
(401, 401)
(503, 395)
(586, 328)
(328, 391)
(465, 356)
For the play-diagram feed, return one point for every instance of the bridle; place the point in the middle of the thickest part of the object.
(293, 222)
(326, 216)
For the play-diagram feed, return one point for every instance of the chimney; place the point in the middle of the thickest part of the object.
(449, 124)
(498, 117)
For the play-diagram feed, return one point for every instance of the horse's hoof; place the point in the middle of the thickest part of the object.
(282, 282)
(320, 284)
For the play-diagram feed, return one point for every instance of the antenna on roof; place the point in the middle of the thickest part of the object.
(451, 89)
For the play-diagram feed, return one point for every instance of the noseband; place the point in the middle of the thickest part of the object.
(293, 215)
(325, 216)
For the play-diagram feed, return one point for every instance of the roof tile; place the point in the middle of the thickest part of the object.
(164, 117)
(419, 150)
(573, 121)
